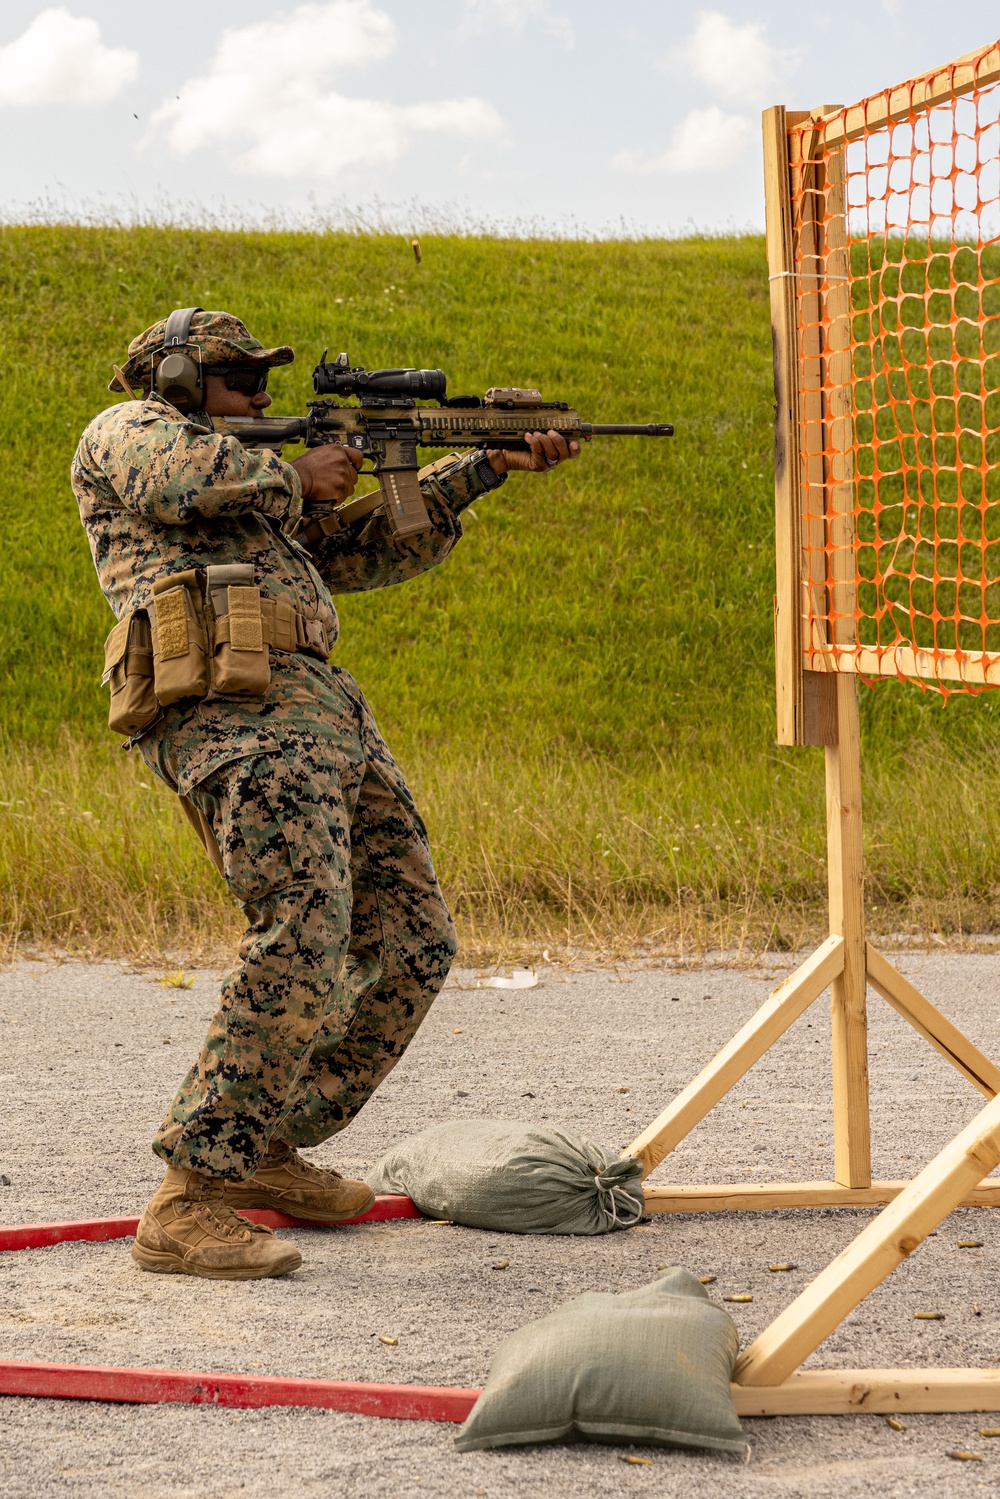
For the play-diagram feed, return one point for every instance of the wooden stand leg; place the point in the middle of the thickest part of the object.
(849, 1392)
(931, 1024)
(773, 1018)
(851, 1127)
(877, 1250)
(749, 1197)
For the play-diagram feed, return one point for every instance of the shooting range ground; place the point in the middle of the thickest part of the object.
(582, 697)
(96, 1049)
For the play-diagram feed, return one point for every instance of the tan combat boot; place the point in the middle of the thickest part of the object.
(188, 1228)
(291, 1185)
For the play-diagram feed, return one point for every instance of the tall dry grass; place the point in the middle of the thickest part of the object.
(550, 852)
(96, 861)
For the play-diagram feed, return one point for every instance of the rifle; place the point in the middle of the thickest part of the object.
(387, 426)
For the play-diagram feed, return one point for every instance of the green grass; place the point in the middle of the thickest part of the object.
(582, 696)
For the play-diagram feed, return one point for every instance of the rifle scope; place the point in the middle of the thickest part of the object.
(337, 378)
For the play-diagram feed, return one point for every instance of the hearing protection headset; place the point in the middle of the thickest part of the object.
(177, 378)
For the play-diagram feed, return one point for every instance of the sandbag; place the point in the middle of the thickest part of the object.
(514, 1178)
(650, 1366)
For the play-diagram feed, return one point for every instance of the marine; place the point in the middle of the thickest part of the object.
(282, 770)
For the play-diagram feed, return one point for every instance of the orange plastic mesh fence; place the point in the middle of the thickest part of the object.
(896, 243)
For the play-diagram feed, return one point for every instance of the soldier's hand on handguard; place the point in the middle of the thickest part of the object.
(328, 472)
(547, 451)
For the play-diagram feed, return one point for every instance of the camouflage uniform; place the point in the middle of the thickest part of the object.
(348, 938)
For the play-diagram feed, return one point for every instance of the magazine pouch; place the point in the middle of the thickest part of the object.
(180, 656)
(241, 665)
(128, 672)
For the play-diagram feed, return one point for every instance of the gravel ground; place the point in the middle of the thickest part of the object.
(602, 1052)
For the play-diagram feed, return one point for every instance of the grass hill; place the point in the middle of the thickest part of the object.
(582, 696)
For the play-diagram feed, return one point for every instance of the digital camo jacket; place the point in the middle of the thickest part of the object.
(159, 494)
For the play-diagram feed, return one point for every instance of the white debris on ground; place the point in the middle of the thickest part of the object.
(520, 978)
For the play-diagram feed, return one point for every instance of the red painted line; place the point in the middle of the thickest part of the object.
(36, 1235)
(384, 1209)
(100, 1230)
(399, 1402)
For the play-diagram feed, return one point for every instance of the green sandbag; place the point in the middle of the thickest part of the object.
(651, 1366)
(514, 1178)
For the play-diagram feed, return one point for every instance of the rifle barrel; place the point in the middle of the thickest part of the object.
(627, 429)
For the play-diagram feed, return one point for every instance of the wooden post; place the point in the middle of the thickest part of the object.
(805, 707)
(809, 194)
(851, 1124)
(788, 546)
(819, 223)
(838, 415)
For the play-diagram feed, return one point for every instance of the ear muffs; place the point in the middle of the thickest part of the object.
(178, 378)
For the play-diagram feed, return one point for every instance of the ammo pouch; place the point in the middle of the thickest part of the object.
(180, 654)
(189, 648)
(128, 670)
(241, 665)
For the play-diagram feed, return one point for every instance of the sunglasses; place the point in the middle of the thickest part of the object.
(248, 379)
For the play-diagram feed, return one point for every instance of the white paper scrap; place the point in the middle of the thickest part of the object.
(520, 978)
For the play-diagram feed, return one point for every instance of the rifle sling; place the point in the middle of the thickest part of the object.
(315, 531)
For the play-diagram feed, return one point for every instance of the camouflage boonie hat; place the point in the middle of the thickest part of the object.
(222, 339)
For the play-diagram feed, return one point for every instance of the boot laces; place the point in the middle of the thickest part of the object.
(291, 1157)
(226, 1219)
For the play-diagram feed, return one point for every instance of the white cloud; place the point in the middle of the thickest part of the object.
(734, 61)
(515, 15)
(60, 59)
(266, 97)
(706, 140)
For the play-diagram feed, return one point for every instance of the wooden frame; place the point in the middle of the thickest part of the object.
(793, 247)
(812, 390)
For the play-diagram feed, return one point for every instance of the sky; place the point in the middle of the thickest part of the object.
(555, 116)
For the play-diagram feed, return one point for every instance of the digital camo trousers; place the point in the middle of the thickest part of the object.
(349, 940)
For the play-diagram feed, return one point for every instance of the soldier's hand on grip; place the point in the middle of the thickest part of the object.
(328, 472)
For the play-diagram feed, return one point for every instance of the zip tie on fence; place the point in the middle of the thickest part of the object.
(802, 275)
